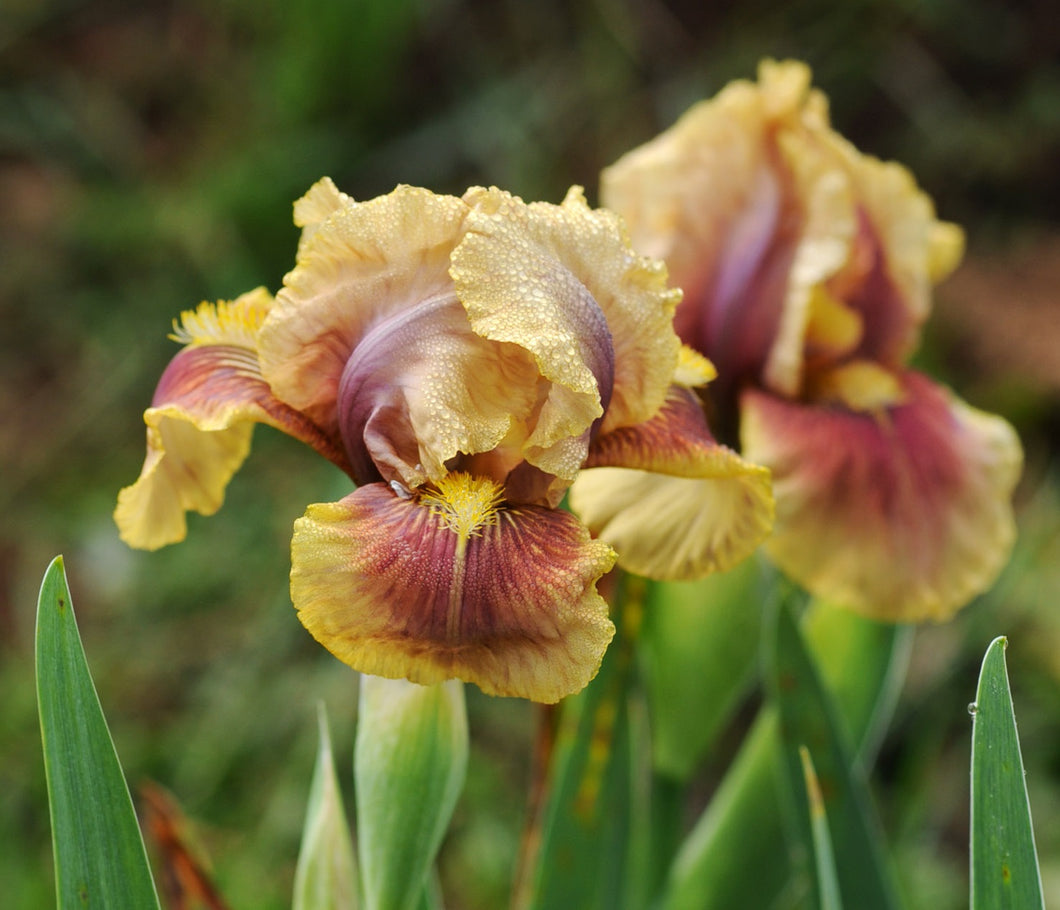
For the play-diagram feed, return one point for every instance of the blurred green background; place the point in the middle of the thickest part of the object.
(149, 156)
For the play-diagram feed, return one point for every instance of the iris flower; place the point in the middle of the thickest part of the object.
(461, 359)
(808, 270)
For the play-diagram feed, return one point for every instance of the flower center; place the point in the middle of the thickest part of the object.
(464, 503)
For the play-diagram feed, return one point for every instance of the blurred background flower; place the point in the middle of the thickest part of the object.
(808, 269)
(149, 154)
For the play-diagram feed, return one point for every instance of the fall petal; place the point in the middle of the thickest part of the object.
(425, 588)
(901, 513)
(200, 422)
(673, 502)
(185, 470)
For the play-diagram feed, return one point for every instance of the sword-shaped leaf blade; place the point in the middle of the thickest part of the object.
(99, 853)
(1003, 858)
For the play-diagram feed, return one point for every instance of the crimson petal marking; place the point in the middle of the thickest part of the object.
(388, 588)
(902, 514)
(198, 434)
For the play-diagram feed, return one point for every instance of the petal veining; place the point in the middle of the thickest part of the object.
(454, 584)
(673, 502)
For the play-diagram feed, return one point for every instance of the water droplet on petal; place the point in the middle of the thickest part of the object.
(972, 708)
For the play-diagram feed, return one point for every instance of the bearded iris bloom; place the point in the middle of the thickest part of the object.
(461, 359)
(807, 269)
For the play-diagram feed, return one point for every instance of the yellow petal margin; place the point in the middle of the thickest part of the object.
(200, 423)
(902, 514)
(674, 503)
(452, 583)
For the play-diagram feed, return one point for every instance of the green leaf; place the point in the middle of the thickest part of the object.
(863, 663)
(410, 761)
(809, 717)
(824, 858)
(1004, 862)
(584, 827)
(99, 853)
(697, 655)
(326, 876)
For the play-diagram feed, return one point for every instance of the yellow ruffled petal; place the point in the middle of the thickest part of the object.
(321, 201)
(902, 515)
(454, 584)
(675, 504)
(822, 245)
(562, 282)
(945, 250)
(676, 528)
(679, 192)
(186, 469)
(918, 249)
(364, 262)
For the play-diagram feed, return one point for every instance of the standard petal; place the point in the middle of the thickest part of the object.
(716, 151)
(912, 252)
(750, 214)
(674, 503)
(422, 388)
(703, 196)
(446, 585)
(321, 201)
(364, 262)
(563, 282)
(793, 248)
(902, 514)
(517, 291)
(200, 421)
(812, 321)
